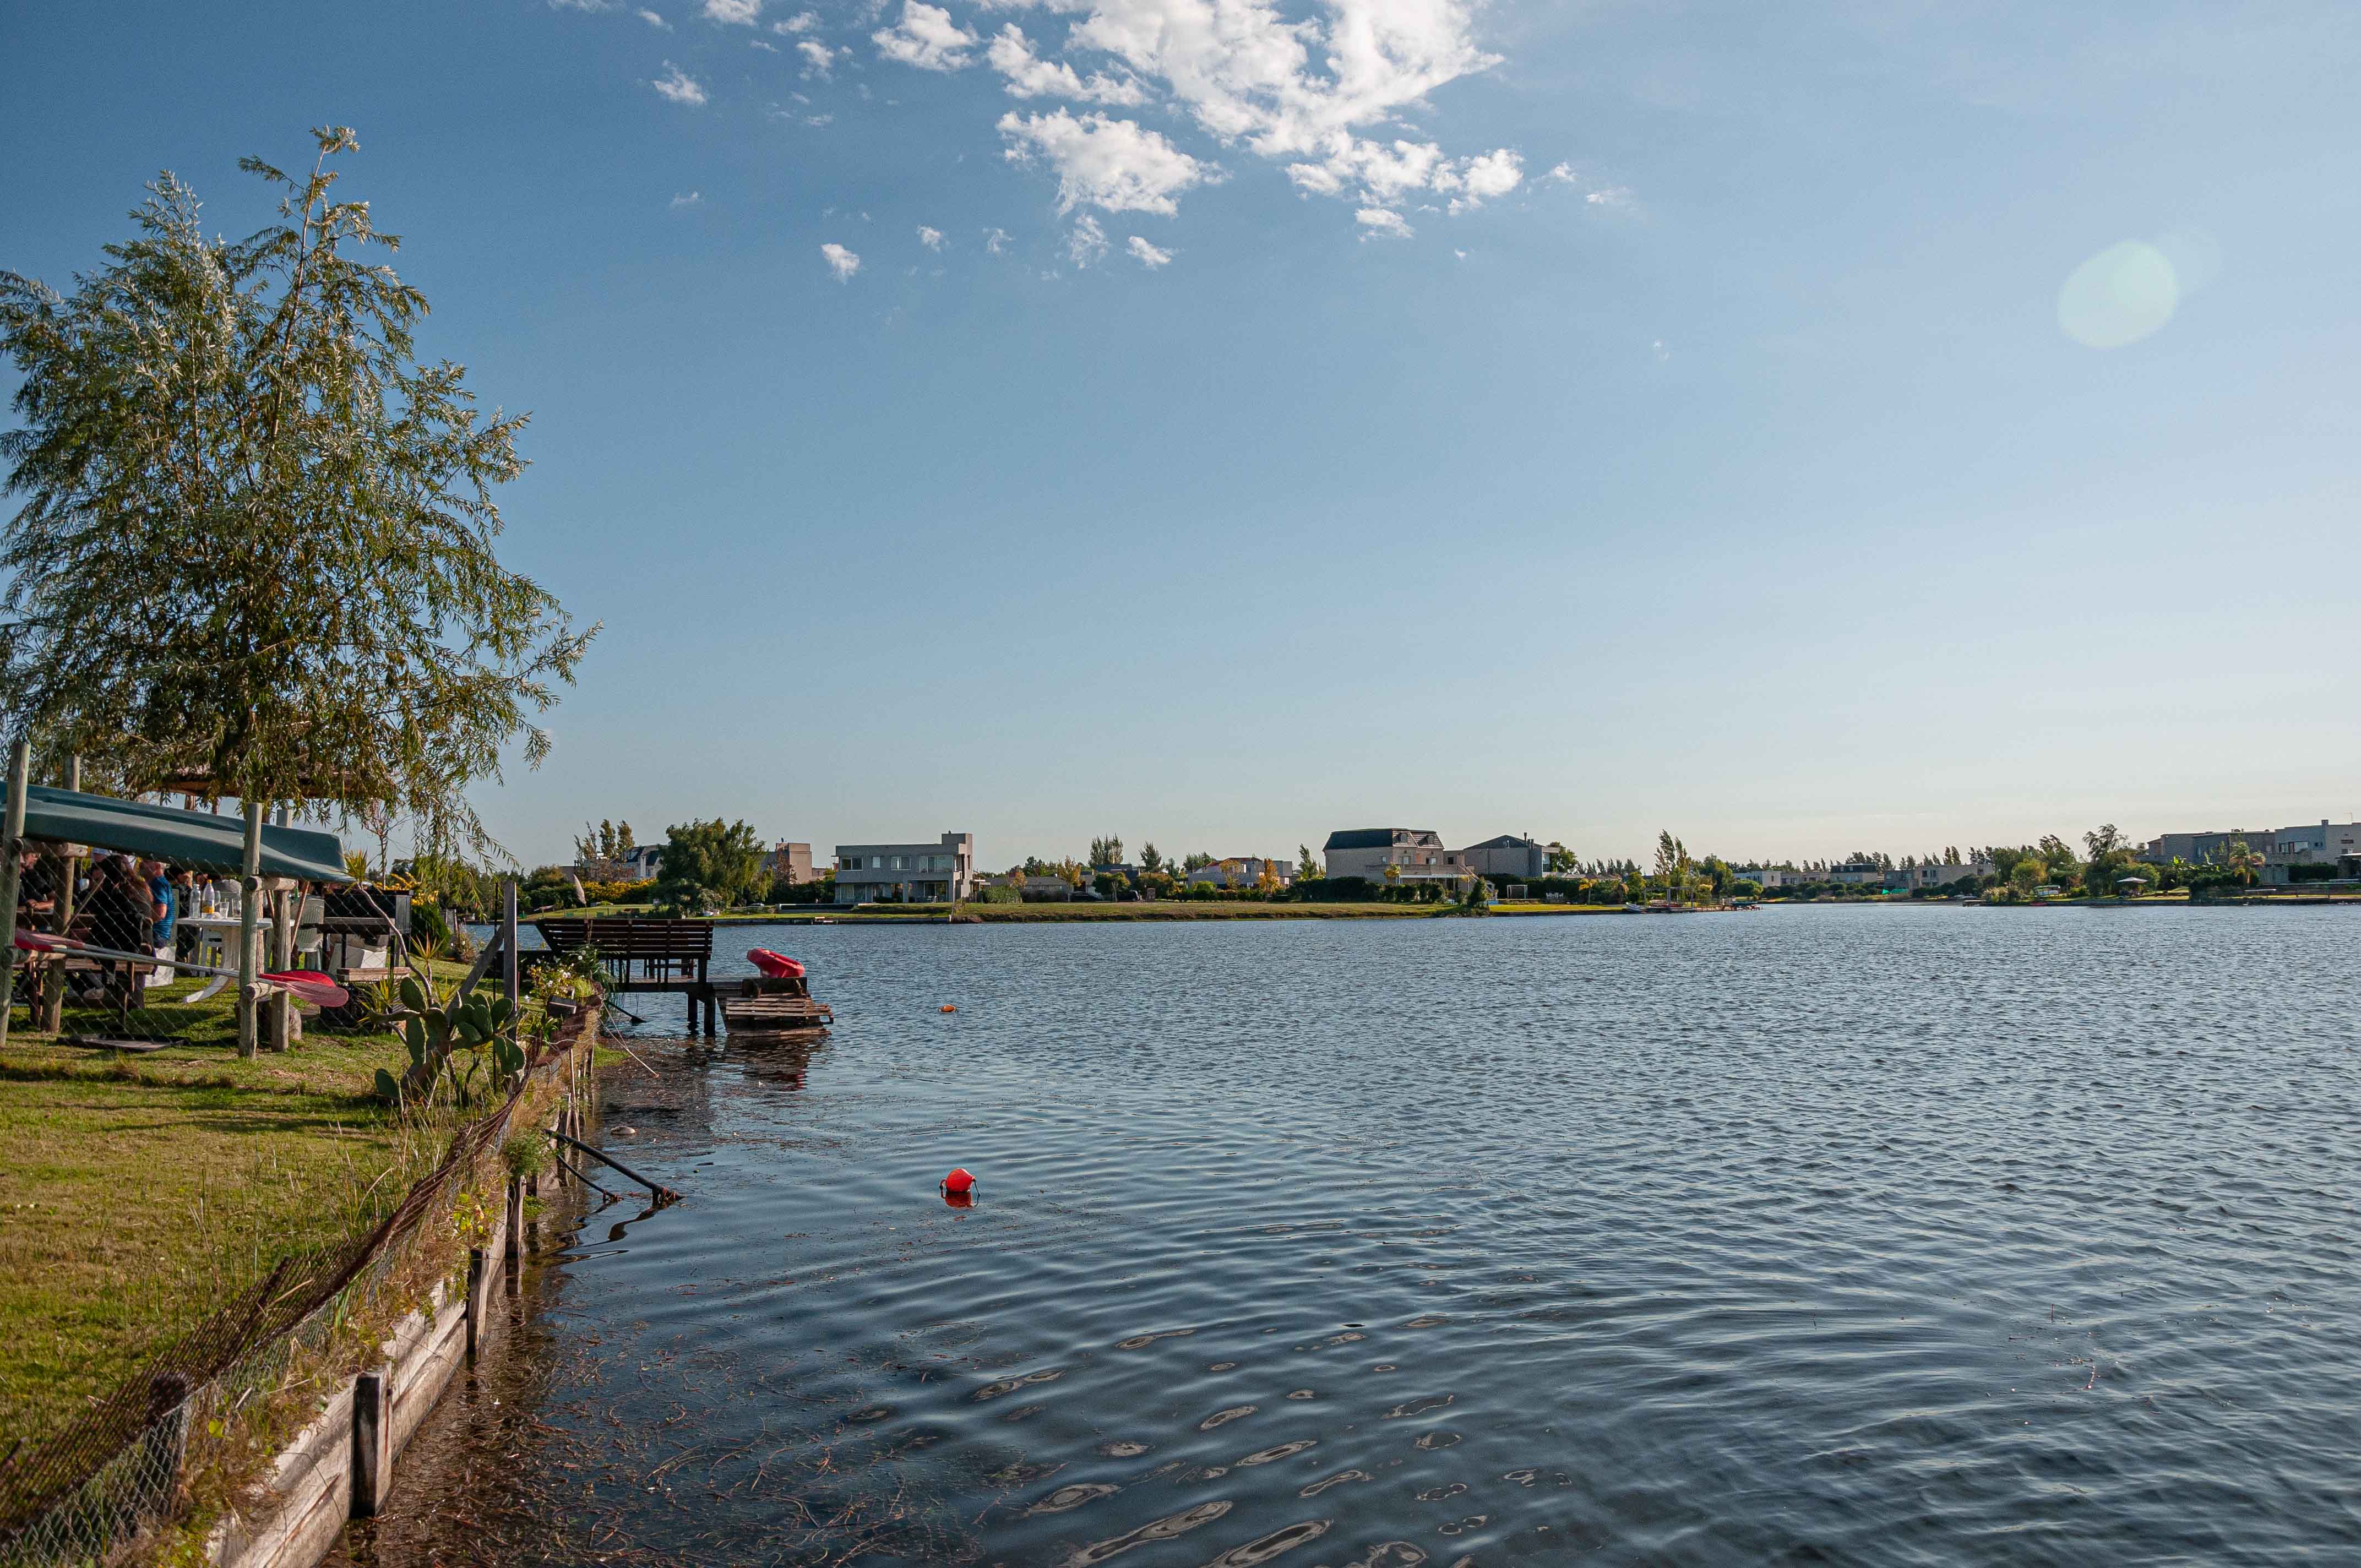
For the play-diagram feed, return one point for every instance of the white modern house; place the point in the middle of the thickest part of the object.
(1414, 854)
(907, 873)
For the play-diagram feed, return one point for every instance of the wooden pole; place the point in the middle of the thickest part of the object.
(372, 1440)
(478, 1301)
(509, 943)
(11, 842)
(250, 923)
(53, 994)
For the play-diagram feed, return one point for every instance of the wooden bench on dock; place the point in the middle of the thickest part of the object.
(670, 956)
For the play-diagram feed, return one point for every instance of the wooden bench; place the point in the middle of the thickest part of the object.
(673, 955)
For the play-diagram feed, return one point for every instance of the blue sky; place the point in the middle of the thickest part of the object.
(1580, 419)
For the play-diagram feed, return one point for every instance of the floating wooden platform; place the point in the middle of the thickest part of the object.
(765, 1007)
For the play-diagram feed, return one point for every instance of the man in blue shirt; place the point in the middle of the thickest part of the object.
(167, 901)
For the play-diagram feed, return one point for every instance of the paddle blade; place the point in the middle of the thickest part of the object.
(40, 942)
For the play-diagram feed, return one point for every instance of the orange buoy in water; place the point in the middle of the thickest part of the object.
(958, 1182)
(959, 1199)
(948, 1008)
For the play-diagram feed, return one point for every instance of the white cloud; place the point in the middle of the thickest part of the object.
(765, 48)
(1031, 76)
(581, 4)
(927, 37)
(1564, 173)
(817, 56)
(1088, 243)
(689, 198)
(1611, 198)
(734, 13)
(1304, 90)
(1148, 256)
(1383, 220)
(1116, 165)
(653, 20)
(996, 240)
(801, 22)
(1478, 179)
(1247, 74)
(931, 238)
(678, 85)
(840, 261)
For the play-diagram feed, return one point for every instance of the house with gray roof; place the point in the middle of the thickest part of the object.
(1414, 854)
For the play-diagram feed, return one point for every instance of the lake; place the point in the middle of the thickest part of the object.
(1918, 1236)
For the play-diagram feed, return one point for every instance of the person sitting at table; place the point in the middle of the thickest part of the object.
(37, 888)
(164, 908)
(121, 910)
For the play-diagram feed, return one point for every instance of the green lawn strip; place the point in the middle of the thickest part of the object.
(141, 1192)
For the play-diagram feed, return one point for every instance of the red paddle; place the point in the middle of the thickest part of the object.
(304, 985)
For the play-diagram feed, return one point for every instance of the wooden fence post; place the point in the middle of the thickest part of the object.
(250, 923)
(509, 943)
(53, 989)
(478, 1301)
(372, 1440)
(11, 842)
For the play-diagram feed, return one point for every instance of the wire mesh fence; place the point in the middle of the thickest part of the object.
(130, 953)
(84, 1491)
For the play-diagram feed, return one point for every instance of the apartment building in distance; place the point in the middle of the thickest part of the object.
(907, 873)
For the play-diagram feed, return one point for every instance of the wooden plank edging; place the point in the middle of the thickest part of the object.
(308, 1496)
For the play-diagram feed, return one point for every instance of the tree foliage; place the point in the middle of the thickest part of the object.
(710, 862)
(254, 553)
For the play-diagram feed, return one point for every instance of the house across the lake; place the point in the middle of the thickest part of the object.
(907, 873)
(1414, 854)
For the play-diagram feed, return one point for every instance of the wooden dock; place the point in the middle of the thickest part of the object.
(641, 957)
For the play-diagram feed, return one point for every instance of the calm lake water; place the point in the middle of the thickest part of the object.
(1861, 1236)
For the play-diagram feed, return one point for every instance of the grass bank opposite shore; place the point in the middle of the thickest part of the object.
(1161, 909)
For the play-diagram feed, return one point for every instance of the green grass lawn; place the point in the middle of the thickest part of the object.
(139, 1191)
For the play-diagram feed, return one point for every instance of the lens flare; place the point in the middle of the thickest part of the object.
(2119, 296)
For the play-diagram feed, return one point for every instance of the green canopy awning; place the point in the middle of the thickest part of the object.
(198, 839)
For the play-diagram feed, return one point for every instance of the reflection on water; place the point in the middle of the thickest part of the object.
(1891, 1235)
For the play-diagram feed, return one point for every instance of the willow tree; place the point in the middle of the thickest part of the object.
(255, 555)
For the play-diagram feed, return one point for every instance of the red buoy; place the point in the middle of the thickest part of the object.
(958, 1180)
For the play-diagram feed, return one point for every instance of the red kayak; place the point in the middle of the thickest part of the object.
(778, 966)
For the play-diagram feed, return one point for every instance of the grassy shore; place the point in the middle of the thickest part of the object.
(139, 1192)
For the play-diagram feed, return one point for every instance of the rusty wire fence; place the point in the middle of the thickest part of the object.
(89, 1491)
